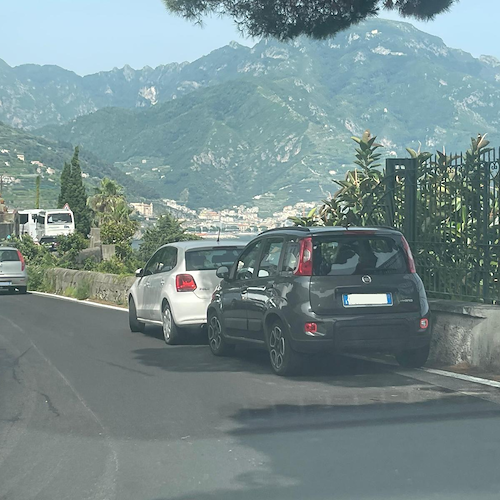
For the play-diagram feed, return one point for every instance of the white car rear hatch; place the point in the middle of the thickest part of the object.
(202, 264)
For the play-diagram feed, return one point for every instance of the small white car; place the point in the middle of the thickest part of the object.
(176, 285)
(13, 274)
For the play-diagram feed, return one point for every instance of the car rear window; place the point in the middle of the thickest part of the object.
(212, 258)
(358, 254)
(9, 256)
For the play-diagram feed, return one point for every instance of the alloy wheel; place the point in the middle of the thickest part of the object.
(215, 333)
(167, 324)
(277, 347)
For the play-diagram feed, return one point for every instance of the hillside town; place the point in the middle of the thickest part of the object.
(230, 222)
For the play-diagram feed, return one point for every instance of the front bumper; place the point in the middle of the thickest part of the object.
(363, 333)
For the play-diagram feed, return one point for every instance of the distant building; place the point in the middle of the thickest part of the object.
(144, 209)
(20, 157)
(36, 162)
(4, 151)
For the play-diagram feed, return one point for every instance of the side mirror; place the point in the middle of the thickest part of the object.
(139, 273)
(223, 273)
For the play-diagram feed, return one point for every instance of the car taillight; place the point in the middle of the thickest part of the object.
(21, 258)
(424, 324)
(185, 283)
(409, 256)
(311, 327)
(305, 258)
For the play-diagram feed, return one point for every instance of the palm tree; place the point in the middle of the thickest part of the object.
(108, 202)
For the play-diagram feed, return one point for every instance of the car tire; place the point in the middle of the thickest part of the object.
(135, 325)
(171, 332)
(413, 358)
(22, 289)
(284, 360)
(215, 332)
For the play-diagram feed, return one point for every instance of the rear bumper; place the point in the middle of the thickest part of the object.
(12, 281)
(376, 333)
(189, 310)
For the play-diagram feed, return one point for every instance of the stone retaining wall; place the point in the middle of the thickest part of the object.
(466, 332)
(109, 287)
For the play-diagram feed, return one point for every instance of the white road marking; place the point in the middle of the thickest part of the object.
(467, 378)
(85, 302)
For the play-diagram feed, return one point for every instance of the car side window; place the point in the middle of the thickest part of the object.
(291, 257)
(270, 260)
(245, 267)
(152, 265)
(167, 260)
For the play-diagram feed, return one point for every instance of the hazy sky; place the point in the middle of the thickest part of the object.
(87, 36)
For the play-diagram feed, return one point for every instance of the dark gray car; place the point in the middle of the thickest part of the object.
(312, 290)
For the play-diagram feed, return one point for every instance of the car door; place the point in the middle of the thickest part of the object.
(144, 284)
(167, 260)
(261, 290)
(235, 291)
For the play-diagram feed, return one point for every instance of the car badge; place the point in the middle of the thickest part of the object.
(366, 279)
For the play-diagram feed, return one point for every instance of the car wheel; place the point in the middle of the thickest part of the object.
(413, 358)
(284, 360)
(135, 325)
(171, 332)
(22, 289)
(218, 345)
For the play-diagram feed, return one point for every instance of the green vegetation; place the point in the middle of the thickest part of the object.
(73, 193)
(455, 238)
(166, 230)
(287, 20)
(20, 174)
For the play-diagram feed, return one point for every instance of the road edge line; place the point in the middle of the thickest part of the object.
(86, 302)
(444, 373)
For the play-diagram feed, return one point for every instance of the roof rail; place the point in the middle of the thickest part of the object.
(286, 228)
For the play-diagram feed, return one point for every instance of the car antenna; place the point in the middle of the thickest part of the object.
(218, 235)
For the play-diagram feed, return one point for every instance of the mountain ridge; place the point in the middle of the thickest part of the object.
(274, 121)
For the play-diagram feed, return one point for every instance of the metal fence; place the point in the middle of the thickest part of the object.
(448, 208)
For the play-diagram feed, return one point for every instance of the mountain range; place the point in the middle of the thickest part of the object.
(269, 124)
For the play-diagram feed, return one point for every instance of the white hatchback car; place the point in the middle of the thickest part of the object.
(13, 274)
(176, 285)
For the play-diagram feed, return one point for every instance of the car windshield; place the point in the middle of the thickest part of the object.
(358, 254)
(9, 256)
(211, 259)
(59, 218)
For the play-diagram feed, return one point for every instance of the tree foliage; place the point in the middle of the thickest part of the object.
(288, 19)
(65, 183)
(74, 194)
(167, 230)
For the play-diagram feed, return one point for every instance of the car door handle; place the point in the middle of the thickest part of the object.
(244, 293)
(162, 282)
(148, 284)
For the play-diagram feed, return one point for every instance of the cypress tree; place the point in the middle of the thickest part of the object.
(73, 193)
(37, 192)
(65, 179)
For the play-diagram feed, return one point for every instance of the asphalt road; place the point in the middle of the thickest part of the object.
(89, 410)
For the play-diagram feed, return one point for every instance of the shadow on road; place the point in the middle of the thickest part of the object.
(189, 337)
(336, 370)
(383, 451)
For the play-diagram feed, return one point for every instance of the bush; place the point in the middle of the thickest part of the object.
(70, 292)
(113, 266)
(82, 291)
